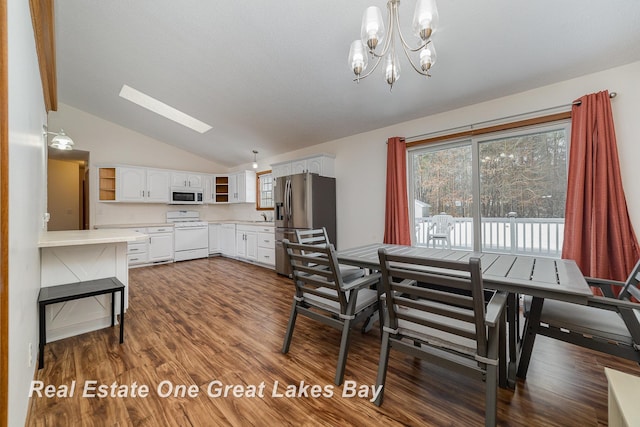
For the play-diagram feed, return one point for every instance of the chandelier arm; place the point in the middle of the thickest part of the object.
(418, 70)
(370, 71)
(405, 45)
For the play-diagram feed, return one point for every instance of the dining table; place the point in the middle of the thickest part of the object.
(538, 276)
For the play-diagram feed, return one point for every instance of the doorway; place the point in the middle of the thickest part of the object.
(68, 189)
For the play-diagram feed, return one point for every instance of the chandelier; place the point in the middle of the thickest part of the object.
(372, 33)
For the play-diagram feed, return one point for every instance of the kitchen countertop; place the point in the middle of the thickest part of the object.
(244, 222)
(158, 224)
(51, 239)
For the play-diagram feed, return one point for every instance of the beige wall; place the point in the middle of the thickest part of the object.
(63, 196)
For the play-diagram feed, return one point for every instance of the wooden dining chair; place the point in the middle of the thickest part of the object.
(608, 324)
(322, 294)
(449, 326)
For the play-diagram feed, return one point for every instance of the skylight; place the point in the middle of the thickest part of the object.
(163, 109)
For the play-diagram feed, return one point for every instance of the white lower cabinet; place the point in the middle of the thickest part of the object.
(214, 239)
(160, 244)
(228, 239)
(138, 252)
(256, 243)
(247, 242)
(158, 247)
(266, 246)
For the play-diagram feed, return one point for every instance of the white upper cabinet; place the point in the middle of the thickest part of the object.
(185, 179)
(322, 164)
(208, 188)
(131, 184)
(157, 186)
(242, 187)
(142, 185)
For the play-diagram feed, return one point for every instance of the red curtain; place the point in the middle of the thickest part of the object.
(598, 233)
(396, 222)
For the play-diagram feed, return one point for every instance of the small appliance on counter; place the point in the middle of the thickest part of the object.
(302, 201)
(191, 236)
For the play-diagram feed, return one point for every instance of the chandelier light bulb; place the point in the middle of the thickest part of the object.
(392, 70)
(255, 161)
(372, 30)
(357, 57)
(425, 19)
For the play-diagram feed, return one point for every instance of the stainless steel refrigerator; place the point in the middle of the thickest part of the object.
(302, 201)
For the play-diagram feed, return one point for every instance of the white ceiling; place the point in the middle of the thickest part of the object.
(273, 76)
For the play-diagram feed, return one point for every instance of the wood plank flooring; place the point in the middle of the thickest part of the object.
(196, 322)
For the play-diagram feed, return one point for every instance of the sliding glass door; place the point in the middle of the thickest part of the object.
(505, 192)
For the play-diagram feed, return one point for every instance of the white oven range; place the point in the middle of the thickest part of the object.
(191, 238)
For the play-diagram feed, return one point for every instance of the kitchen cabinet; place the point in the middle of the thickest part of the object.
(322, 164)
(140, 185)
(208, 188)
(242, 187)
(160, 244)
(228, 239)
(214, 238)
(266, 246)
(221, 188)
(107, 184)
(247, 242)
(185, 179)
(138, 252)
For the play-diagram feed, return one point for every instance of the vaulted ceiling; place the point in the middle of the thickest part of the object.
(273, 76)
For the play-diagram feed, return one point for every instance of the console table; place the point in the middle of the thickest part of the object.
(73, 291)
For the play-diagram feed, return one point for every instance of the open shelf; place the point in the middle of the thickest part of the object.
(107, 183)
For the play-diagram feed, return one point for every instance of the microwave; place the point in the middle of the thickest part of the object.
(185, 196)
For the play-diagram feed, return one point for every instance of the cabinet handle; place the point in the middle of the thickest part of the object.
(266, 241)
(142, 193)
(267, 256)
(133, 259)
(134, 250)
(148, 193)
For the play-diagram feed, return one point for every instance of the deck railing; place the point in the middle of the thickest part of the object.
(540, 236)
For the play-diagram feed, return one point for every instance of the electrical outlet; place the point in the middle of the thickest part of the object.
(30, 354)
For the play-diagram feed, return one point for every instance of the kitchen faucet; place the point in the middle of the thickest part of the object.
(264, 216)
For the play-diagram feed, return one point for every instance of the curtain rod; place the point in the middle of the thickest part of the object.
(472, 126)
(611, 95)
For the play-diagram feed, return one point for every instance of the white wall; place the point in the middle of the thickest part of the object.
(361, 159)
(27, 184)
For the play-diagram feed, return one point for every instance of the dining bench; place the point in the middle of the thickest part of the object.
(73, 291)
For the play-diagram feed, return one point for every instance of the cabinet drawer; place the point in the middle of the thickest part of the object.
(136, 258)
(142, 230)
(159, 230)
(266, 240)
(137, 248)
(267, 256)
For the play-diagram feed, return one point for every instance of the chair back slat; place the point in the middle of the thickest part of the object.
(315, 271)
(450, 290)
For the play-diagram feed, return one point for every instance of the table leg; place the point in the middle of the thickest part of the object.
(512, 321)
(43, 334)
(531, 326)
(121, 316)
(113, 308)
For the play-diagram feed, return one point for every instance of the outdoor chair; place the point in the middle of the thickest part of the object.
(323, 295)
(444, 326)
(440, 229)
(607, 324)
(320, 237)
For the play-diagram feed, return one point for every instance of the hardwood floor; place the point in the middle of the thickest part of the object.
(196, 322)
